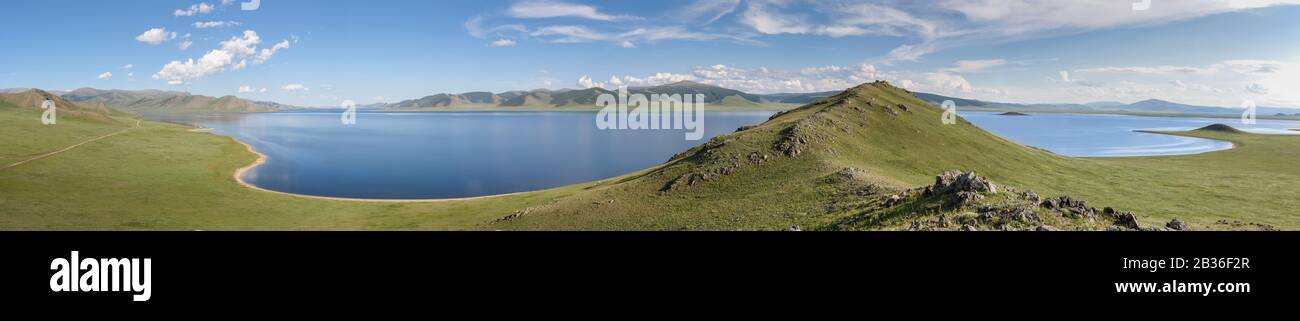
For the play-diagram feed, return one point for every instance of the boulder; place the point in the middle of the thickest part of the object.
(1178, 225)
(794, 228)
(955, 181)
(1127, 220)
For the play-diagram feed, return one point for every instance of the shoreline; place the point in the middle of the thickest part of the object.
(261, 159)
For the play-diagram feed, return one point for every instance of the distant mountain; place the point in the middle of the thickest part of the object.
(1154, 106)
(712, 94)
(797, 98)
(33, 98)
(153, 101)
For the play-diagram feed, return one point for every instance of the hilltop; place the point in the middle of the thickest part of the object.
(158, 101)
(859, 159)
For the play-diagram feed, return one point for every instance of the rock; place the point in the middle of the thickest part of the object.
(1047, 228)
(1178, 225)
(903, 107)
(943, 221)
(955, 181)
(969, 197)
(1114, 228)
(892, 200)
(794, 228)
(968, 228)
(1031, 196)
(1127, 220)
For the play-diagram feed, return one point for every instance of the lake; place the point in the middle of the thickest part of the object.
(466, 154)
(1090, 135)
(446, 154)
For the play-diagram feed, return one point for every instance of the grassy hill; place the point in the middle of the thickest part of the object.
(157, 101)
(864, 159)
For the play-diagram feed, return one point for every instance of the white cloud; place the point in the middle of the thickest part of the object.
(155, 36)
(105, 75)
(1257, 88)
(709, 10)
(267, 53)
(295, 88)
(232, 54)
(185, 45)
(954, 23)
(200, 8)
(245, 89)
(475, 28)
(503, 43)
(128, 66)
(569, 34)
(626, 44)
(215, 24)
(554, 9)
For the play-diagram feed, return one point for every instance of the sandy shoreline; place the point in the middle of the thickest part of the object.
(261, 159)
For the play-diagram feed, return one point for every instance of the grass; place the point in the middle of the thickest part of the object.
(164, 177)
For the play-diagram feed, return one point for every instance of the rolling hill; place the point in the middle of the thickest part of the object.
(157, 101)
(31, 99)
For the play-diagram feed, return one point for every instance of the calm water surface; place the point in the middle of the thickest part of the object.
(464, 154)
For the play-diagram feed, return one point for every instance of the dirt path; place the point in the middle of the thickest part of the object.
(137, 125)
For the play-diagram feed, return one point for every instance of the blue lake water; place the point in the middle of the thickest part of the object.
(465, 154)
(447, 154)
(1114, 135)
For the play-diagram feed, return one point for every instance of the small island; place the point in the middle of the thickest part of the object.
(1013, 113)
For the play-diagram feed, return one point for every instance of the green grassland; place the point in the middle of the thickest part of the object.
(824, 166)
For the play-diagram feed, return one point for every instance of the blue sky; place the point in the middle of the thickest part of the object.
(318, 53)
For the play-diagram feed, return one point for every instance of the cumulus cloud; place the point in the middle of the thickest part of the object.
(295, 88)
(105, 75)
(502, 43)
(555, 9)
(200, 8)
(232, 54)
(155, 36)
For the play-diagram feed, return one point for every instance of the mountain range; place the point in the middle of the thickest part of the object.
(155, 101)
(1150, 106)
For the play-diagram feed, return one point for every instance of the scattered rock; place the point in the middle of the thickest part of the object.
(892, 200)
(1178, 225)
(943, 221)
(794, 228)
(916, 226)
(1031, 196)
(903, 107)
(957, 182)
(1127, 220)
(968, 228)
(1047, 228)
(1114, 228)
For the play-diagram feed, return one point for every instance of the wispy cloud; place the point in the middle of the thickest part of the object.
(533, 9)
